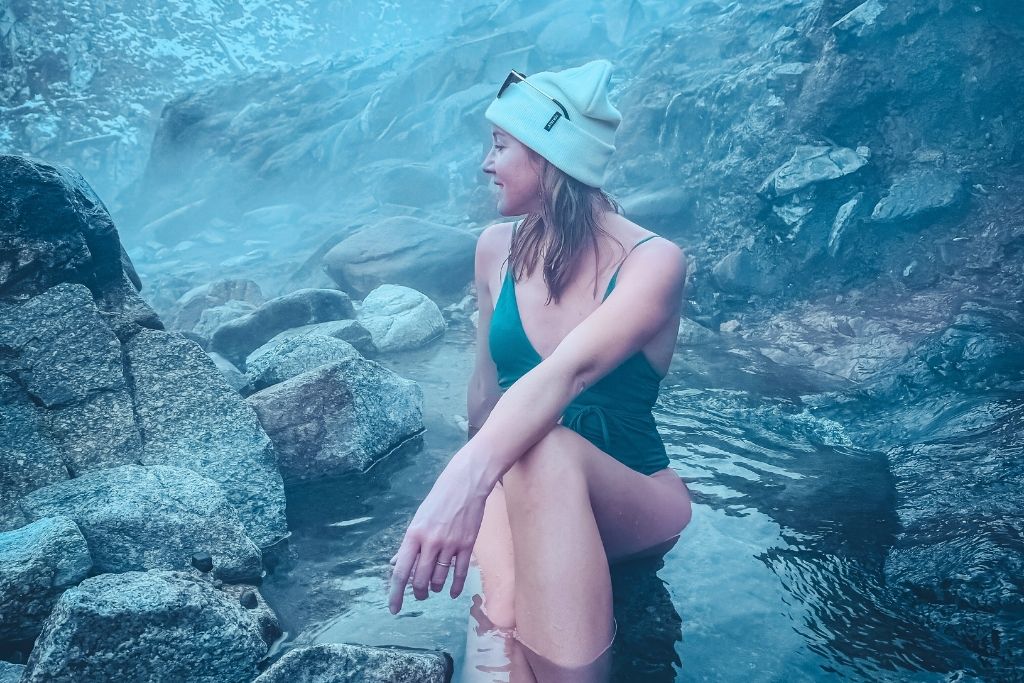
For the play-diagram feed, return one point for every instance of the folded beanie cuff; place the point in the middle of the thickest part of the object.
(524, 113)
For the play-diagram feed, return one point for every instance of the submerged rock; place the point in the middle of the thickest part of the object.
(428, 257)
(338, 418)
(192, 418)
(400, 318)
(147, 626)
(139, 518)
(292, 357)
(38, 562)
(345, 663)
(237, 338)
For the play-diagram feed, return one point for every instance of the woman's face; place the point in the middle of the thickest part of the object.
(515, 170)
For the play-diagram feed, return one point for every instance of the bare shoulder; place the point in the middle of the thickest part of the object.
(495, 239)
(660, 254)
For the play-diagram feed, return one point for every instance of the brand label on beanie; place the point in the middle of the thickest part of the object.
(553, 120)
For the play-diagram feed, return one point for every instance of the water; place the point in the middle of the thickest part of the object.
(780, 575)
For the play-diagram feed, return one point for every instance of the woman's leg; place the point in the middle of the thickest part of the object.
(571, 509)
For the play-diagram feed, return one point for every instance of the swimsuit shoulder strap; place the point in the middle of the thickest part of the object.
(611, 283)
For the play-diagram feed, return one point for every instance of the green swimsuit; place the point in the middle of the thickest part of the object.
(614, 414)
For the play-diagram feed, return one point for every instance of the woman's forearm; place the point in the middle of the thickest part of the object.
(519, 419)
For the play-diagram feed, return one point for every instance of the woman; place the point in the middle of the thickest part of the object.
(563, 471)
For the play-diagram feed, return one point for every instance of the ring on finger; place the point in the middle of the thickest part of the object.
(443, 564)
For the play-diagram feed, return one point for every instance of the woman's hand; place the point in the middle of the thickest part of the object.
(444, 527)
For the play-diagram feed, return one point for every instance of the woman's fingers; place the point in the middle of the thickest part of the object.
(404, 566)
(461, 572)
(442, 565)
(424, 570)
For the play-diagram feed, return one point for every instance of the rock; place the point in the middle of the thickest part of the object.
(274, 216)
(411, 184)
(28, 459)
(54, 229)
(346, 330)
(147, 626)
(68, 360)
(11, 673)
(400, 318)
(742, 273)
(237, 338)
(140, 518)
(232, 374)
(729, 326)
(338, 418)
(916, 193)
(859, 22)
(194, 302)
(840, 223)
(192, 418)
(215, 316)
(650, 204)
(428, 257)
(202, 561)
(38, 562)
(292, 357)
(269, 625)
(693, 334)
(344, 663)
(812, 164)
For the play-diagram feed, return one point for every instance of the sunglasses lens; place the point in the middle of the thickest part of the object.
(513, 77)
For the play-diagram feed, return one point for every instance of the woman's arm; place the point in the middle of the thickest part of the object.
(483, 391)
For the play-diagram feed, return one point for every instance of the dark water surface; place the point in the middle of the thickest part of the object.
(778, 577)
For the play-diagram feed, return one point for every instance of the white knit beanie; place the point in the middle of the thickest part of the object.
(582, 145)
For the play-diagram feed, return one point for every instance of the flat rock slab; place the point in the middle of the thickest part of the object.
(345, 663)
(138, 518)
(812, 164)
(191, 417)
(918, 192)
(147, 626)
(38, 562)
(400, 318)
(237, 338)
(338, 418)
(293, 357)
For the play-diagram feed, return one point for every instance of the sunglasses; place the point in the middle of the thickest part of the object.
(516, 77)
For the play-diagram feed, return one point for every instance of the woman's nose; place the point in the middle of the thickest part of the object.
(488, 163)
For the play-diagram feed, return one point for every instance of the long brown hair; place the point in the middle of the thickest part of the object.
(569, 218)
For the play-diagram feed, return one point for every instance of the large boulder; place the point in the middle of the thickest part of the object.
(345, 663)
(400, 318)
(139, 518)
(346, 330)
(212, 318)
(69, 361)
(37, 563)
(147, 626)
(426, 256)
(192, 418)
(54, 229)
(338, 418)
(292, 357)
(237, 338)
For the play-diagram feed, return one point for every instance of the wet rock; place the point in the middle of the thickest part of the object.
(202, 561)
(812, 164)
(741, 272)
(411, 185)
(38, 562)
(237, 338)
(654, 204)
(844, 217)
(54, 229)
(338, 418)
(692, 333)
(859, 22)
(11, 673)
(428, 257)
(250, 598)
(215, 316)
(918, 192)
(400, 318)
(232, 374)
(28, 459)
(68, 360)
(346, 330)
(191, 305)
(192, 418)
(344, 663)
(291, 357)
(139, 518)
(138, 626)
